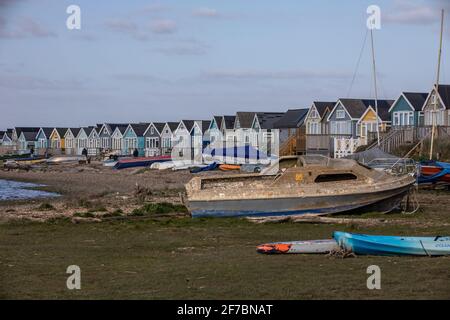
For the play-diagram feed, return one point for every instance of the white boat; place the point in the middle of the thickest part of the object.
(65, 159)
(295, 247)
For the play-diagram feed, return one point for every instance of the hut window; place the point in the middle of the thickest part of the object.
(335, 177)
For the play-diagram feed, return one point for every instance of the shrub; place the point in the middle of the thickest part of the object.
(159, 208)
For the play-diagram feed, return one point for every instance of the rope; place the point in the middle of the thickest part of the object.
(358, 63)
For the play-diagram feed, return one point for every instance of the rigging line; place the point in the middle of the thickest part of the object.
(358, 63)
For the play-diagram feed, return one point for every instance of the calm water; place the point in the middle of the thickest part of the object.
(13, 190)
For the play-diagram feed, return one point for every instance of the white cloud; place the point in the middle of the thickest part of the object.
(407, 12)
(164, 26)
(277, 74)
(206, 13)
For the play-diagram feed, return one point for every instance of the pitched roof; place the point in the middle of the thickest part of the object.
(245, 119)
(322, 106)
(229, 121)
(268, 119)
(139, 128)
(47, 131)
(74, 131)
(218, 120)
(61, 131)
(173, 125)
(29, 135)
(205, 125)
(159, 126)
(416, 99)
(88, 130)
(19, 130)
(112, 126)
(2, 133)
(293, 118)
(189, 124)
(357, 107)
(444, 92)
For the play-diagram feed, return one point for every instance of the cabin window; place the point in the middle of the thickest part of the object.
(335, 177)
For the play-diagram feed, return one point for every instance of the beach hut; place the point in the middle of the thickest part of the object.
(57, 140)
(182, 140)
(43, 140)
(406, 111)
(437, 107)
(167, 137)
(70, 140)
(134, 139)
(117, 139)
(152, 137)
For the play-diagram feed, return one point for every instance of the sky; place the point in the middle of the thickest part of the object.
(143, 61)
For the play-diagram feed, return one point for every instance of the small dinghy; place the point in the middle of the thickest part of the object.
(392, 245)
(301, 185)
(296, 247)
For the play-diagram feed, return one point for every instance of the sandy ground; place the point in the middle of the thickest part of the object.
(87, 187)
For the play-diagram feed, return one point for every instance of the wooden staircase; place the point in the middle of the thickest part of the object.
(289, 147)
(395, 138)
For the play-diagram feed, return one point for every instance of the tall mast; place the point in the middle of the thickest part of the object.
(375, 84)
(433, 114)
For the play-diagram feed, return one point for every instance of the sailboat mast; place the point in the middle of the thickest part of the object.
(376, 87)
(433, 118)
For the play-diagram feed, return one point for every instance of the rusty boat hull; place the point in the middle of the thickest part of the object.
(297, 192)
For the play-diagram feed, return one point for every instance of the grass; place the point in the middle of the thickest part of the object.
(159, 208)
(183, 258)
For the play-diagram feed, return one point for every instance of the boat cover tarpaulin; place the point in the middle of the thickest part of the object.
(370, 155)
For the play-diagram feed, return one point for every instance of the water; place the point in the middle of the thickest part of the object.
(13, 190)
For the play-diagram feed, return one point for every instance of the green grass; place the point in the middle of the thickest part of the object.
(205, 259)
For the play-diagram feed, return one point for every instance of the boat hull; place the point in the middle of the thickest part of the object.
(392, 245)
(384, 201)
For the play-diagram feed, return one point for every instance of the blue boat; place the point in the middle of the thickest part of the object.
(364, 244)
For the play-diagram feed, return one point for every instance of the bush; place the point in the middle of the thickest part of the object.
(159, 208)
(84, 215)
(46, 207)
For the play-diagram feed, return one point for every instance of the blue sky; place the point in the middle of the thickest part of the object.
(170, 60)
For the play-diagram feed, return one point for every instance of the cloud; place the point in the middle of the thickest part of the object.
(128, 27)
(122, 26)
(22, 82)
(407, 12)
(155, 8)
(163, 26)
(137, 77)
(274, 75)
(24, 28)
(184, 47)
(206, 13)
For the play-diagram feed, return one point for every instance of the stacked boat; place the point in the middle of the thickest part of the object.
(140, 162)
(434, 172)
